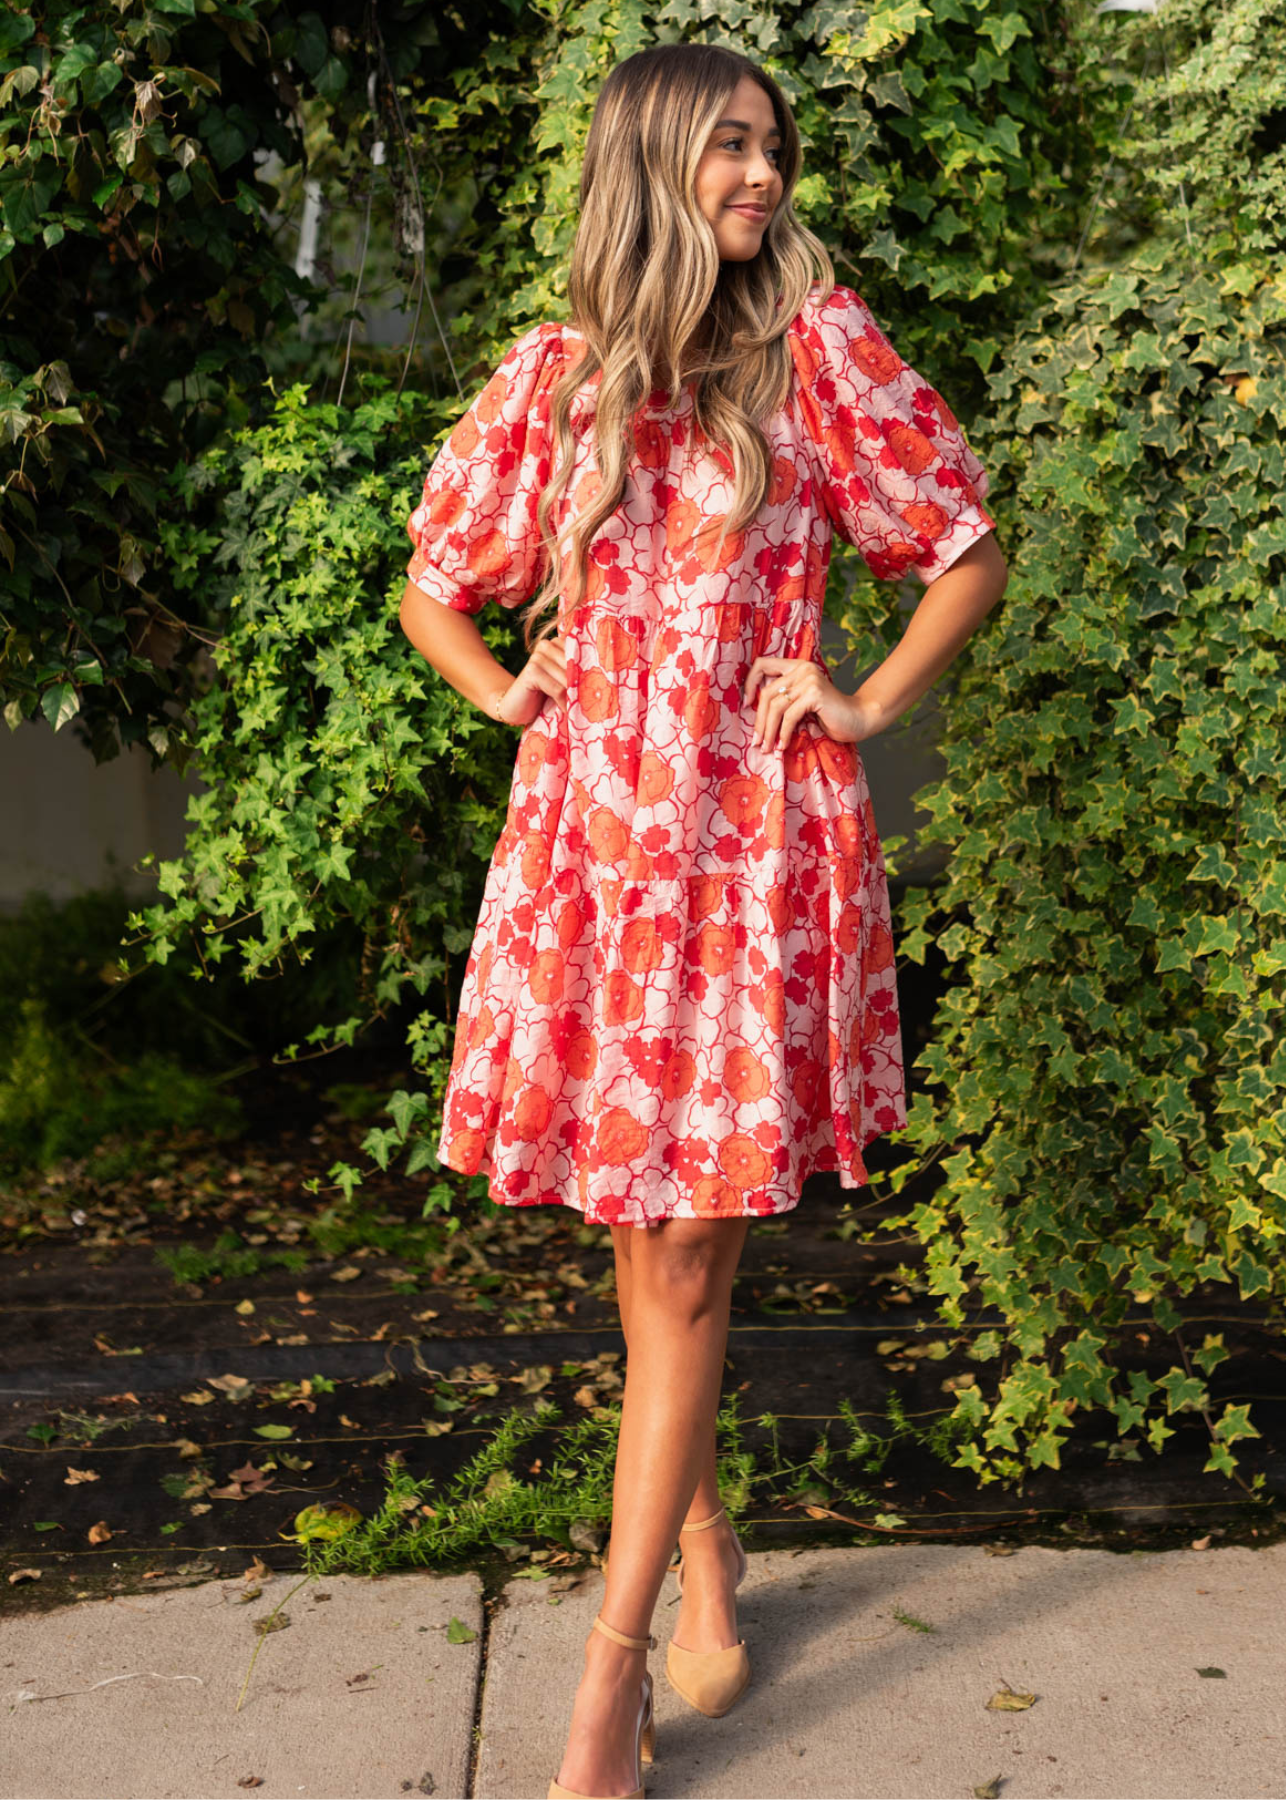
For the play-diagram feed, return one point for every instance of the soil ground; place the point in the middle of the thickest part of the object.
(164, 1423)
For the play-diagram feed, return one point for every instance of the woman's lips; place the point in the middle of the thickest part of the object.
(751, 212)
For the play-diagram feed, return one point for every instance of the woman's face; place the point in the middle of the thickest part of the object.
(738, 182)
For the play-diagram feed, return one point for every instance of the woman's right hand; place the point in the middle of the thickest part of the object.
(545, 673)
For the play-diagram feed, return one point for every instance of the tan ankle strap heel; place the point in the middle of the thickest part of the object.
(619, 1637)
(700, 1524)
(711, 1681)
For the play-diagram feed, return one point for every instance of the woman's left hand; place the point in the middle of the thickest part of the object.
(789, 687)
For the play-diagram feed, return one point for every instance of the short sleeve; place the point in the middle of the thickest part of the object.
(899, 480)
(474, 531)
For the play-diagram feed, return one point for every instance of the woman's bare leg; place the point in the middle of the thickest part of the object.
(707, 1612)
(680, 1290)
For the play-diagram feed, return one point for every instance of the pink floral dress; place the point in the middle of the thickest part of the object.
(680, 1000)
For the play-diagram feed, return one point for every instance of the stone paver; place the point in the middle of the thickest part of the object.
(307, 1726)
(846, 1701)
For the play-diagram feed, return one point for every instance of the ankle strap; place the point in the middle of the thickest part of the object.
(619, 1637)
(702, 1523)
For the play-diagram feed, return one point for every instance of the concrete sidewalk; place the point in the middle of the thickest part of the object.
(364, 1694)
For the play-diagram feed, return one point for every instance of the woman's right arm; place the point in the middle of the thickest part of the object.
(451, 643)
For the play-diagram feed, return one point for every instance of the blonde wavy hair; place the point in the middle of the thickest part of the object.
(650, 296)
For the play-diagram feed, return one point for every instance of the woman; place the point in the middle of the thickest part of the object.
(680, 999)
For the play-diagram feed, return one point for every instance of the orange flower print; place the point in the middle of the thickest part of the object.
(707, 550)
(774, 832)
(838, 760)
(879, 948)
(465, 1149)
(681, 996)
(465, 437)
(876, 358)
(621, 1138)
(491, 401)
(946, 417)
(532, 1111)
(742, 799)
(848, 929)
(781, 908)
(617, 650)
(800, 756)
(745, 1076)
(682, 519)
(808, 1081)
(656, 778)
(570, 922)
(622, 998)
(847, 833)
(607, 835)
(678, 1075)
(742, 1161)
(545, 976)
(701, 715)
(445, 507)
(535, 860)
(783, 481)
(597, 696)
(715, 1198)
(705, 896)
(488, 553)
(912, 449)
(642, 946)
(713, 947)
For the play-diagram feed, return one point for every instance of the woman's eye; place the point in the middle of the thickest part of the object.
(735, 143)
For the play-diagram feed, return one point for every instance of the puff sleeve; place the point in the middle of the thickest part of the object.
(899, 481)
(474, 530)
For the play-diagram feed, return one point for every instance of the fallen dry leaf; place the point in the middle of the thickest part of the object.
(989, 1790)
(244, 1307)
(253, 1480)
(74, 1475)
(198, 1397)
(236, 1387)
(349, 1274)
(1202, 1543)
(186, 1448)
(1006, 1700)
(24, 1575)
(257, 1571)
(99, 1534)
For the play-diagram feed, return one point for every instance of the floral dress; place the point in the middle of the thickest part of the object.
(680, 1000)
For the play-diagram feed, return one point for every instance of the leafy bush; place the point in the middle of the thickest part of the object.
(1110, 1057)
(346, 783)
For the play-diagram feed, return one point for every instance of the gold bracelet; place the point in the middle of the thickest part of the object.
(493, 705)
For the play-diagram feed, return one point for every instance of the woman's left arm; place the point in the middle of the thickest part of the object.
(953, 606)
(784, 689)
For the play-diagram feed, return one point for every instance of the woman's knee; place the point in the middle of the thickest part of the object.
(689, 1259)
